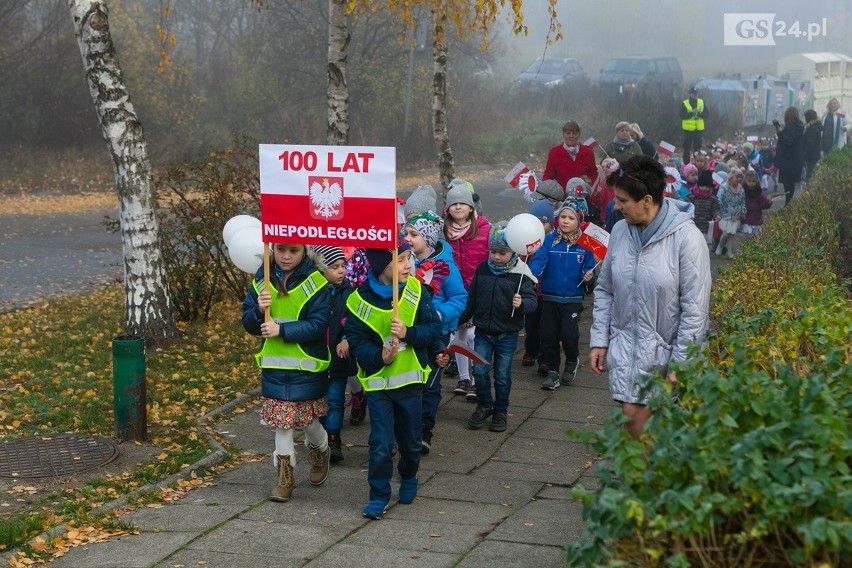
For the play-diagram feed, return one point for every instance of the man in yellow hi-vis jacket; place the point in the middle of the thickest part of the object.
(693, 111)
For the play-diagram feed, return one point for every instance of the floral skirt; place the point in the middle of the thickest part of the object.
(288, 414)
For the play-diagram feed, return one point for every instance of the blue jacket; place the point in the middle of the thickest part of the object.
(309, 332)
(451, 297)
(560, 270)
(424, 336)
(339, 367)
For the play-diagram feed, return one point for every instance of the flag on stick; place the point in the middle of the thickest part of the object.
(591, 142)
(513, 178)
(594, 238)
(666, 149)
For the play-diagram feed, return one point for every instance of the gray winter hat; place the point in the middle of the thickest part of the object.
(549, 189)
(422, 199)
(459, 193)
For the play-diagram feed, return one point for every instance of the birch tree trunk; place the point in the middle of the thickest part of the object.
(147, 310)
(446, 162)
(337, 130)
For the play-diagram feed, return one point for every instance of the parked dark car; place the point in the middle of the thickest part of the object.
(641, 75)
(566, 74)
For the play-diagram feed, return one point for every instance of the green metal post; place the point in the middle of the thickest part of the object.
(128, 380)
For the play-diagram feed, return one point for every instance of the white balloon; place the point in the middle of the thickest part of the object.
(246, 249)
(524, 234)
(234, 224)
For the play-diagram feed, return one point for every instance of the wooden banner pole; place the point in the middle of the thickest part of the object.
(266, 315)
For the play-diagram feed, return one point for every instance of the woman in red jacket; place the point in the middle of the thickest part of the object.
(570, 159)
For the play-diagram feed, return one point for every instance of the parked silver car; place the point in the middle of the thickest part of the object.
(566, 74)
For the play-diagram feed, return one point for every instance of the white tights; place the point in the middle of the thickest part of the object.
(315, 435)
(467, 335)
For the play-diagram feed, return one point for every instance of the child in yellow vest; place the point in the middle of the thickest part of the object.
(294, 358)
(393, 354)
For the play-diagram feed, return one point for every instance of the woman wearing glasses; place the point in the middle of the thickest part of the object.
(653, 293)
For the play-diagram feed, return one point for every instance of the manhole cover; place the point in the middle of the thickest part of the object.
(54, 455)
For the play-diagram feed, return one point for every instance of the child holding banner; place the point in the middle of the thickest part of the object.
(294, 358)
(467, 234)
(393, 353)
(565, 271)
(498, 300)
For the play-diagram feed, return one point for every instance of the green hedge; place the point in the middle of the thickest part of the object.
(752, 468)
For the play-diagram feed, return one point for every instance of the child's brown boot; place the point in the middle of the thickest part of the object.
(286, 480)
(319, 460)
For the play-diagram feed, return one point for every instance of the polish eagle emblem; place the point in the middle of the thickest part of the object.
(326, 196)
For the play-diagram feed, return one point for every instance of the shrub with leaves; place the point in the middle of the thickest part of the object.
(754, 466)
(196, 200)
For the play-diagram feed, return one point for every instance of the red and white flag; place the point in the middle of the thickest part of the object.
(752, 139)
(840, 114)
(594, 238)
(590, 142)
(717, 179)
(328, 195)
(513, 178)
(666, 149)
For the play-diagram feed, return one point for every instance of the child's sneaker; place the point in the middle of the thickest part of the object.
(358, 405)
(499, 422)
(471, 393)
(408, 490)
(570, 372)
(477, 419)
(375, 510)
(552, 382)
(462, 387)
(426, 441)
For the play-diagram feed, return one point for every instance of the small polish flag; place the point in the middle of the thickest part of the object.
(513, 178)
(840, 114)
(594, 238)
(665, 149)
(752, 139)
(717, 179)
(591, 142)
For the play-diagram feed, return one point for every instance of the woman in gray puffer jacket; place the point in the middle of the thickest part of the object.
(653, 292)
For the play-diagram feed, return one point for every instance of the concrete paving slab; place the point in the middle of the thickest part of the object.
(274, 540)
(359, 556)
(492, 553)
(513, 472)
(194, 558)
(456, 512)
(537, 428)
(536, 451)
(127, 551)
(549, 522)
(181, 517)
(420, 536)
(473, 488)
(584, 413)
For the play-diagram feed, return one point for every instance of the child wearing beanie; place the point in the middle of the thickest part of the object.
(543, 211)
(499, 298)
(435, 268)
(342, 369)
(565, 271)
(706, 208)
(393, 351)
(731, 211)
(467, 233)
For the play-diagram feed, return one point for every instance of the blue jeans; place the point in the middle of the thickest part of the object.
(394, 416)
(502, 349)
(432, 392)
(336, 402)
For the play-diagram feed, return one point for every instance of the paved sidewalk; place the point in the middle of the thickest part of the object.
(486, 499)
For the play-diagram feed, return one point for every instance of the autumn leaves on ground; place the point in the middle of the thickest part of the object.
(56, 377)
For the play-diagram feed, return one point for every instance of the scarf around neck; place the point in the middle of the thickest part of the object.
(572, 150)
(701, 194)
(569, 239)
(456, 231)
(622, 145)
(499, 269)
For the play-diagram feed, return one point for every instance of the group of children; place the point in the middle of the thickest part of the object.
(326, 316)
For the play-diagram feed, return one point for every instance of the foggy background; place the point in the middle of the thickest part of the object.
(240, 70)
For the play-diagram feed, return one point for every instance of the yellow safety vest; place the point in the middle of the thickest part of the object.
(692, 124)
(277, 353)
(405, 369)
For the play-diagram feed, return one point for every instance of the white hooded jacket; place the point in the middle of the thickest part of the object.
(652, 300)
